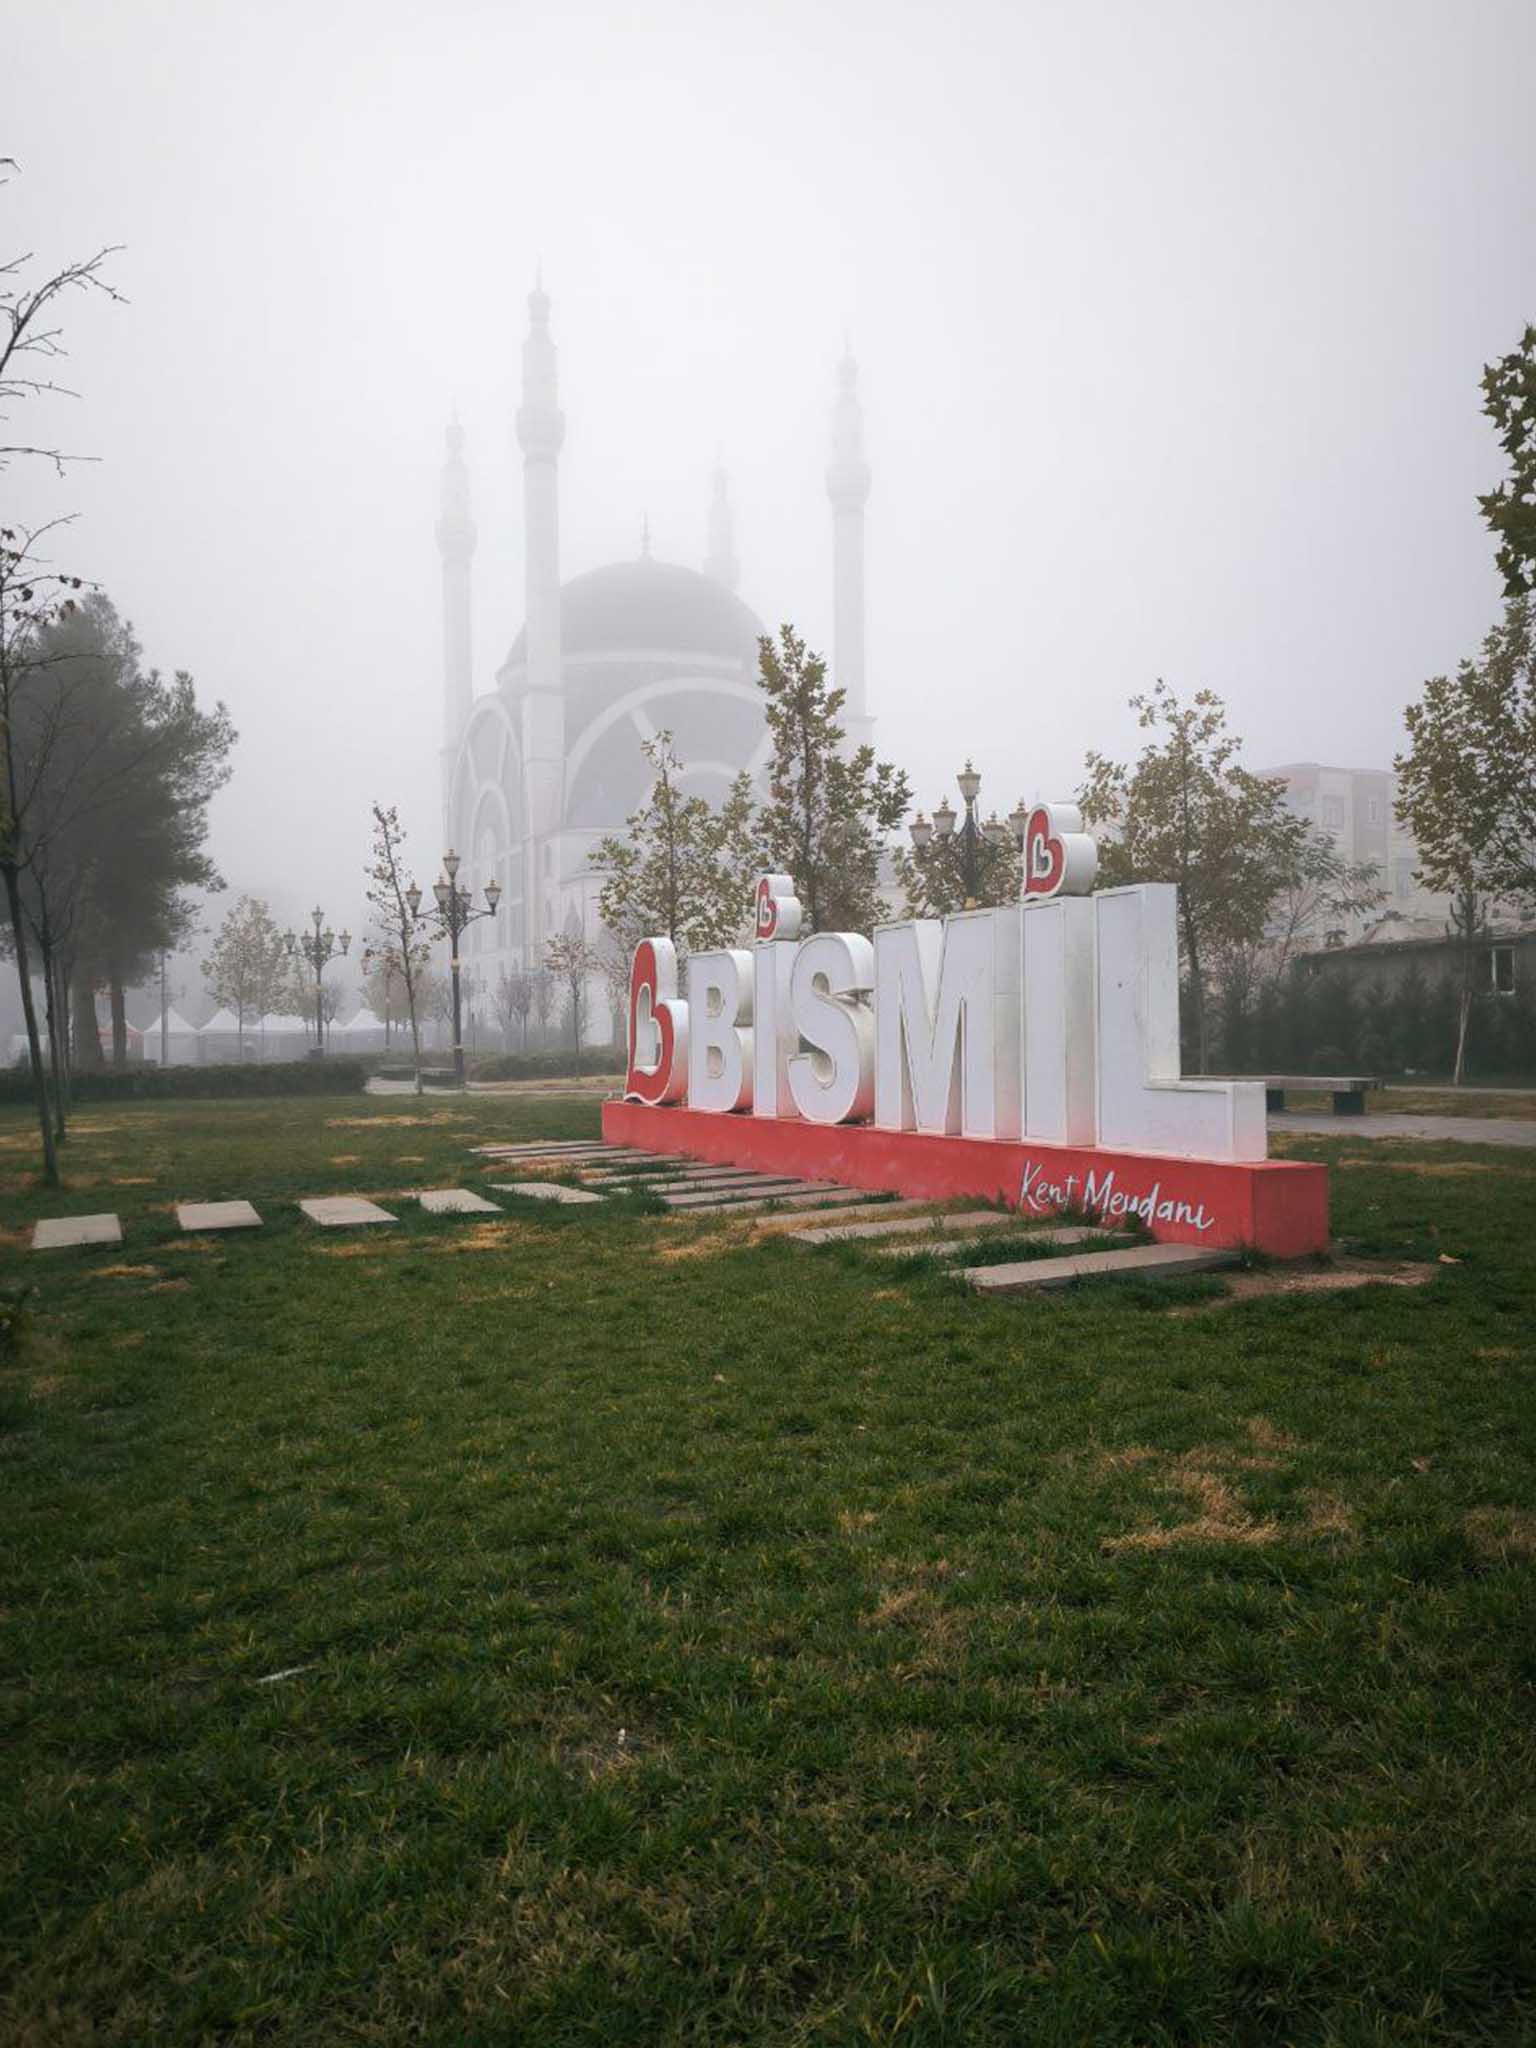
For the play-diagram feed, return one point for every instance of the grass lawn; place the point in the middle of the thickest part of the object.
(696, 1638)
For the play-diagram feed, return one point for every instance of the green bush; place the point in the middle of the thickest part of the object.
(13, 1319)
(146, 1083)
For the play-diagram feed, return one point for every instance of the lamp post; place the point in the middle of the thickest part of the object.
(455, 910)
(317, 948)
(942, 827)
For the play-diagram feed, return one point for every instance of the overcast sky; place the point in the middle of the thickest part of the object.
(1170, 317)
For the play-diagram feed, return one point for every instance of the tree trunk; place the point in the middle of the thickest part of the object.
(55, 1037)
(87, 1039)
(1463, 1019)
(29, 1015)
(119, 1019)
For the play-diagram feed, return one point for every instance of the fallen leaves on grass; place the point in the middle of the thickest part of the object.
(125, 1272)
(170, 1287)
(346, 1159)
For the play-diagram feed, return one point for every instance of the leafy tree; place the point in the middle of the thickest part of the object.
(384, 989)
(1467, 791)
(572, 961)
(827, 807)
(249, 970)
(1188, 812)
(680, 868)
(1467, 782)
(1509, 400)
(396, 903)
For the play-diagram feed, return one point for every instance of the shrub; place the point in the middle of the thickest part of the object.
(547, 1066)
(13, 1319)
(129, 1084)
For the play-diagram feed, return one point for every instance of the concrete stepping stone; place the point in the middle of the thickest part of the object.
(544, 1191)
(1154, 1259)
(944, 1248)
(728, 1183)
(217, 1216)
(535, 1148)
(456, 1202)
(834, 1201)
(57, 1233)
(728, 1198)
(967, 1219)
(341, 1212)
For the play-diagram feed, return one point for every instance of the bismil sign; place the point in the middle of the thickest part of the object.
(1028, 1054)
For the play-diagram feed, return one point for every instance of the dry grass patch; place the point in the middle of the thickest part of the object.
(490, 1237)
(1220, 1520)
(1502, 1533)
(170, 1287)
(346, 1159)
(193, 1244)
(125, 1272)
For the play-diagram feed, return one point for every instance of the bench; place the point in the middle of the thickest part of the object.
(1348, 1090)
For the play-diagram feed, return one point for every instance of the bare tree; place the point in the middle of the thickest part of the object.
(572, 962)
(32, 597)
(396, 902)
(543, 1000)
(31, 339)
(513, 1000)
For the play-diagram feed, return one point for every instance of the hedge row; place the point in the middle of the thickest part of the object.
(128, 1084)
(546, 1066)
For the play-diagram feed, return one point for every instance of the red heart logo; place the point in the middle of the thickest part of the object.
(776, 908)
(1045, 858)
(653, 1046)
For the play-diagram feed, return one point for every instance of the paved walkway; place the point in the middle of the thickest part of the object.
(1458, 1130)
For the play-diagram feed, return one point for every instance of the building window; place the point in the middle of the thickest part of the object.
(1373, 809)
(1333, 812)
(1403, 883)
(1501, 970)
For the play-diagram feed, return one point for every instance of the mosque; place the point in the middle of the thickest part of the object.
(538, 769)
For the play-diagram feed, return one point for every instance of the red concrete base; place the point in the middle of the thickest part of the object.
(1279, 1206)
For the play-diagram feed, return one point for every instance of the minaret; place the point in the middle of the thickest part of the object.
(720, 561)
(848, 488)
(540, 431)
(456, 545)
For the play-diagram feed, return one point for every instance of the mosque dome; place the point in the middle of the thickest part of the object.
(650, 607)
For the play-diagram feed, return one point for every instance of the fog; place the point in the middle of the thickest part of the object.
(1170, 317)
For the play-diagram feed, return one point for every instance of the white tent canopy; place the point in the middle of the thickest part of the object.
(181, 1039)
(365, 1020)
(276, 1023)
(224, 1020)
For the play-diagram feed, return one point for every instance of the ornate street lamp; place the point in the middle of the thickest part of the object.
(932, 835)
(317, 948)
(455, 910)
(943, 827)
